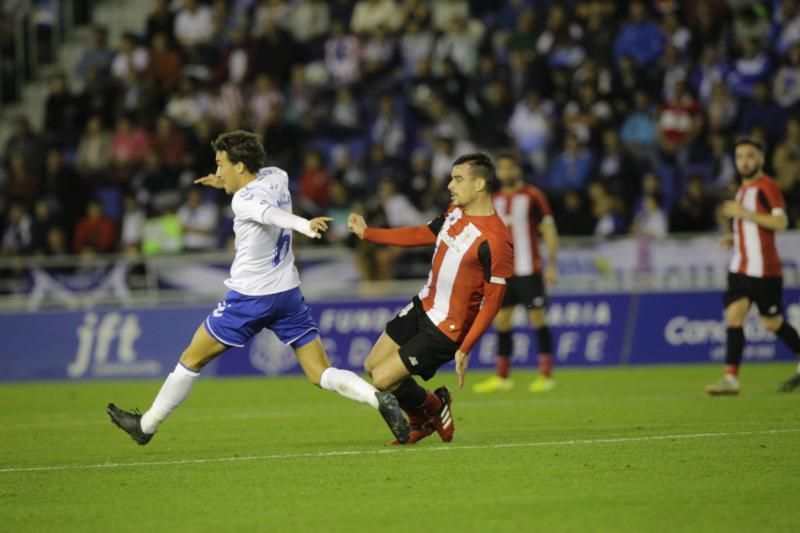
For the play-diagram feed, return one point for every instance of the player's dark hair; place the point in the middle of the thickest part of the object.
(752, 141)
(482, 166)
(241, 147)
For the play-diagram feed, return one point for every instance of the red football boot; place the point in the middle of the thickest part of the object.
(442, 420)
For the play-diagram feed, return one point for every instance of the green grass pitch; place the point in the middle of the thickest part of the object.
(626, 449)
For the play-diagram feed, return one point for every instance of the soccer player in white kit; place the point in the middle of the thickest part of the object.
(264, 292)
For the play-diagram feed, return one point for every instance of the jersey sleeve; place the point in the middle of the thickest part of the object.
(496, 257)
(770, 194)
(251, 204)
(540, 208)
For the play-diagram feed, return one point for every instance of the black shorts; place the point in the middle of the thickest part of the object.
(526, 290)
(767, 293)
(423, 347)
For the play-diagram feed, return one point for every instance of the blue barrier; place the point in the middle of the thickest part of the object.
(588, 330)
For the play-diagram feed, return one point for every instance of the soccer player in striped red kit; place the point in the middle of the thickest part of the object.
(525, 210)
(465, 288)
(754, 274)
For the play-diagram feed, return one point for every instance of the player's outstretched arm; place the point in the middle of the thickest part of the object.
(406, 237)
(212, 180)
(283, 219)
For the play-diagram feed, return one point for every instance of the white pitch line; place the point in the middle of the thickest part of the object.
(350, 453)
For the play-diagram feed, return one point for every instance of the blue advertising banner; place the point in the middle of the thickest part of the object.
(588, 330)
(690, 328)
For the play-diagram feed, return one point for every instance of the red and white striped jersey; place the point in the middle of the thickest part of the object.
(470, 250)
(523, 210)
(754, 251)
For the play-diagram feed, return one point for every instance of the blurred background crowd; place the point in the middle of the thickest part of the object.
(622, 112)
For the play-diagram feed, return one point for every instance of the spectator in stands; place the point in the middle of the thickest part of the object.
(160, 20)
(18, 231)
(761, 111)
(722, 110)
(723, 171)
(263, 101)
(130, 57)
(388, 129)
(752, 66)
(639, 38)
(598, 29)
(530, 126)
(169, 143)
(61, 110)
(444, 11)
(343, 56)
(416, 45)
(458, 46)
(22, 141)
(587, 114)
(617, 169)
(155, 185)
(710, 71)
(379, 54)
(193, 24)
(97, 56)
(313, 185)
(24, 182)
(185, 106)
(95, 232)
(199, 222)
(164, 68)
(679, 122)
(132, 227)
(751, 24)
(63, 185)
(606, 210)
(786, 86)
(368, 15)
(651, 221)
(572, 167)
(694, 210)
(493, 114)
(44, 222)
(129, 143)
(236, 65)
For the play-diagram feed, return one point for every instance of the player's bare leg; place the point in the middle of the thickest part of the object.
(500, 381)
(383, 350)
(544, 382)
(201, 350)
(735, 314)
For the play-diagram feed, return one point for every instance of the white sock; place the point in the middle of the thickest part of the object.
(798, 367)
(349, 385)
(174, 390)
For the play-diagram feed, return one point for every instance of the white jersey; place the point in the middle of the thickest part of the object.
(264, 262)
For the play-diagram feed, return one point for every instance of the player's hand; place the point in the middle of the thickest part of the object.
(732, 209)
(356, 224)
(319, 225)
(212, 180)
(726, 241)
(462, 362)
(550, 274)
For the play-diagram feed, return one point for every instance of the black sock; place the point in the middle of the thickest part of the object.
(504, 343)
(409, 393)
(789, 336)
(734, 347)
(544, 340)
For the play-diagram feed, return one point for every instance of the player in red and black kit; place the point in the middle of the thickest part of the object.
(525, 210)
(754, 274)
(465, 288)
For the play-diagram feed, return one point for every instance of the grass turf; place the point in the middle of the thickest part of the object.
(627, 449)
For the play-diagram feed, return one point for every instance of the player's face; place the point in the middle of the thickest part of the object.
(749, 160)
(507, 171)
(229, 172)
(463, 186)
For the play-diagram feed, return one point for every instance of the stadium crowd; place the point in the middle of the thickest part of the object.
(622, 112)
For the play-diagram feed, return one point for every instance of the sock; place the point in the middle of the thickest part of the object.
(504, 347)
(502, 364)
(789, 336)
(410, 395)
(544, 340)
(798, 365)
(546, 365)
(734, 348)
(174, 390)
(349, 385)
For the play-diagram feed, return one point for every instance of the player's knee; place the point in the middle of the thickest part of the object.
(772, 323)
(381, 380)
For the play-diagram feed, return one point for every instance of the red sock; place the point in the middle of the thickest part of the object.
(502, 366)
(732, 370)
(432, 403)
(416, 415)
(546, 365)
